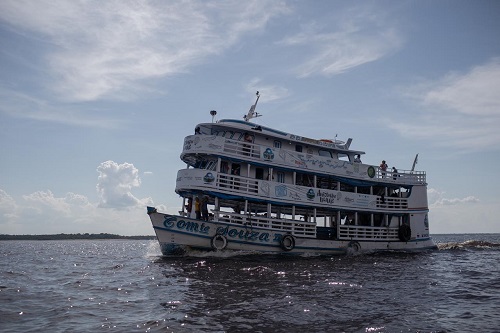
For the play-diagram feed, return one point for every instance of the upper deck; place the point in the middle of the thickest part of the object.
(233, 124)
(281, 150)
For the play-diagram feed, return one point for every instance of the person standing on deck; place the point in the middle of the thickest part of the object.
(204, 209)
(197, 208)
(383, 167)
(394, 173)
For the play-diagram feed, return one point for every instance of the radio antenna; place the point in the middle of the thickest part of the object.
(251, 113)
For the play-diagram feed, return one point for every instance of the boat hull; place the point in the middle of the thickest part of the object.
(179, 234)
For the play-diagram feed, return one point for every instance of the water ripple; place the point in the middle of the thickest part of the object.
(127, 286)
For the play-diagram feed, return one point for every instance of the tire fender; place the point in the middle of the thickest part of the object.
(218, 242)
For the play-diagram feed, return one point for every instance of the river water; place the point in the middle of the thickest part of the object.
(127, 286)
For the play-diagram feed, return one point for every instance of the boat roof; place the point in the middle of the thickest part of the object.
(247, 126)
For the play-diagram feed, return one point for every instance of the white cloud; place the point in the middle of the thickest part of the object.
(461, 111)
(18, 104)
(361, 37)
(42, 212)
(41, 200)
(103, 49)
(8, 208)
(268, 92)
(437, 198)
(480, 217)
(475, 93)
(115, 183)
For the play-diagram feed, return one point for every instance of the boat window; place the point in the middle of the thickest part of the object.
(235, 169)
(224, 167)
(304, 179)
(364, 189)
(343, 157)
(237, 136)
(379, 220)
(200, 165)
(277, 144)
(211, 165)
(364, 219)
(208, 165)
(248, 138)
(259, 173)
(325, 153)
(378, 190)
(298, 148)
(346, 187)
(281, 177)
(326, 183)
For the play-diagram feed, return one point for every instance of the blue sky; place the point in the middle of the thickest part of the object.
(97, 97)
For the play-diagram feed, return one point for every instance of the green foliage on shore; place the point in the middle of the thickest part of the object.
(70, 236)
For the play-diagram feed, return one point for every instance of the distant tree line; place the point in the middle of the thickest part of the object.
(70, 236)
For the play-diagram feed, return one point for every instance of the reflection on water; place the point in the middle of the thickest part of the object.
(124, 285)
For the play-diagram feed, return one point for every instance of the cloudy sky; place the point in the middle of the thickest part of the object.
(97, 97)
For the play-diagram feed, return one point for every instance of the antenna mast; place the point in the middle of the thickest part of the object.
(251, 113)
(415, 161)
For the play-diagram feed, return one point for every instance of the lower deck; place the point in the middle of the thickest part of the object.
(180, 234)
(306, 222)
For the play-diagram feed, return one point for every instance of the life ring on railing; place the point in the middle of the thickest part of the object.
(218, 242)
(370, 171)
(287, 242)
(353, 247)
(404, 232)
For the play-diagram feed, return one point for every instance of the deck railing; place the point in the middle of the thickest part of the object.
(238, 183)
(294, 227)
(246, 149)
(250, 151)
(347, 232)
(401, 176)
(307, 229)
(389, 202)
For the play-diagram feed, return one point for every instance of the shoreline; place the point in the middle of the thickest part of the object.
(4, 237)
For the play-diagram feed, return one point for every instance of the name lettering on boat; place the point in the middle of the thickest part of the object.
(328, 197)
(244, 234)
(171, 222)
(190, 226)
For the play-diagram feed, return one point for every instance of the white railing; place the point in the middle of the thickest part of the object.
(405, 176)
(294, 227)
(246, 149)
(235, 185)
(238, 183)
(392, 202)
(367, 233)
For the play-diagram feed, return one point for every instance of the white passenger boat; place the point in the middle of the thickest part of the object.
(248, 187)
